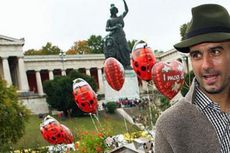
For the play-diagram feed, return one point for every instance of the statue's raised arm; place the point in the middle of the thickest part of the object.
(126, 9)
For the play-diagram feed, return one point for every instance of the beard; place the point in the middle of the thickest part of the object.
(213, 91)
(224, 86)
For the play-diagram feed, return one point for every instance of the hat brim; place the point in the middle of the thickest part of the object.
(184, 45)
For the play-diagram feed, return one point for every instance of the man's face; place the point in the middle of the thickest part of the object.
(211, 66)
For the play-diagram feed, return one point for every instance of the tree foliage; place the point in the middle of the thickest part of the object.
(80, 47)
(95, 44)
(59, 91)
(183, 29)
(48, 49)
(13, 116)
(75, 74)
(32, 52)
(131, 44)
(188, 79)
(71, 51)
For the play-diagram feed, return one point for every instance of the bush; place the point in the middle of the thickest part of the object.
(100, 96)
(188, 79)
(77, 112)
(91, 142)
(13, 116)
(110, 107)
(75, 74)
(59, 92)
(165, 103)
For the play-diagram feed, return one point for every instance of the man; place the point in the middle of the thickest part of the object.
(200, 122)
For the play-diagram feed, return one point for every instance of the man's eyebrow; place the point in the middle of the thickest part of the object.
(212, 48)
(216, 47)
(193, 51)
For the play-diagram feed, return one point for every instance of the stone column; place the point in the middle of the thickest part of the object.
(100, 80)
(23, 82)
(6, 70)
(185, 63)
(63, 72)
(185, 66)
(88, 72)
(39, 83)
(51, 75)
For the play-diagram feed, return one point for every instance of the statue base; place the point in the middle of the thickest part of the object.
(129, 90)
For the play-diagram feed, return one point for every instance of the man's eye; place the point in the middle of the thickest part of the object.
(195, 55)
(215, 52)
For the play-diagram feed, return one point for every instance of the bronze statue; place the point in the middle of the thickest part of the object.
(115, 42)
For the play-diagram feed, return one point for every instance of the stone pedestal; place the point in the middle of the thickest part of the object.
(129, 90)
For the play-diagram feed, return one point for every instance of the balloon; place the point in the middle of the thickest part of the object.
(114, 73)
(142, 60)
(68, 135)
(168, 77)
(84, 96)
(54, 132)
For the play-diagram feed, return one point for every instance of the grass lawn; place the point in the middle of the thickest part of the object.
(33, 138)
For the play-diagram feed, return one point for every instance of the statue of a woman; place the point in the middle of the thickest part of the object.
(115, 42)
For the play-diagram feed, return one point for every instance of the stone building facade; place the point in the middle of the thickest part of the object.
(27, 73)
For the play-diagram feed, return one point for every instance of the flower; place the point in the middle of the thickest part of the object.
(131, 136)
(91, 141)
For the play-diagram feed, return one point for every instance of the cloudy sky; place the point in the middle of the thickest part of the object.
(62, 22)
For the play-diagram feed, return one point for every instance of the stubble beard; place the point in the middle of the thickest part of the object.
(225, 86)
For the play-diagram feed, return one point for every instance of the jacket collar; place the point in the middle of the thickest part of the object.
(189, 96)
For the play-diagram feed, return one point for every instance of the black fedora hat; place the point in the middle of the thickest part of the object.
(210, 23)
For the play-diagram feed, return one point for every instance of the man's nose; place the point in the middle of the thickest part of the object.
(207, 62)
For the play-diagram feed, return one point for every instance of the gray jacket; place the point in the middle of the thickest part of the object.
(184, 129)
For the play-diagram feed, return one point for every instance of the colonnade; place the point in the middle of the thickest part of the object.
(28, 73)
(19, 68)
(40, 78)
(32, 79)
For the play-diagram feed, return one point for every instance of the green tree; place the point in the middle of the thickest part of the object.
(13, 116)
(95, 44)
(48, 49)
(183, 29)
(59, 91)
(75, 74)
(188, 79)
(32, 52)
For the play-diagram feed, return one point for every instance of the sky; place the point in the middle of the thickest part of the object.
(63, 22)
